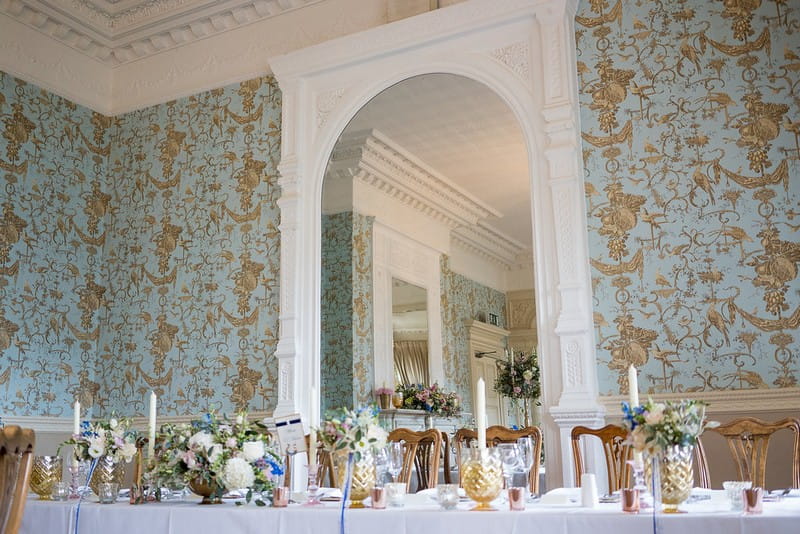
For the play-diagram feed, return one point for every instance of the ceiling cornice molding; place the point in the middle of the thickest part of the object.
(379, 162)
(490, 243)
(52, 65)
(231, 51)
(148, 27)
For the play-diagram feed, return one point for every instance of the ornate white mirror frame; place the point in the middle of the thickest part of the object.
(524, 50)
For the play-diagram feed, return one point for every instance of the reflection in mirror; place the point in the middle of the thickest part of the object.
(410, 333)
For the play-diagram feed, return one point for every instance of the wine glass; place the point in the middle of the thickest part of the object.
(394, 459)
(510, 458)
(527, 461)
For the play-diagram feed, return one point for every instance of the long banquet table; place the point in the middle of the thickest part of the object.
(421, 515)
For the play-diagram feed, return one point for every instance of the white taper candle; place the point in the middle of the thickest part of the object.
(633, 387)
(76, 427)
(151, 426)
(480, 412)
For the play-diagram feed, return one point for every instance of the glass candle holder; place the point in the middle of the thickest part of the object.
(753, 500)
(630, 500)
(516, 499)
(378, 496)
(396, 494)
(280, 497)
(734, 491)
(60, 491)
(109, 491)
(447, 495)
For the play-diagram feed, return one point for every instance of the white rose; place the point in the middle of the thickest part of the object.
(655, 416)
(527, 374)
(238, 474)
(215, 452)
(377, 435)
(201, 440)
(112, 423)
(96, 447)
(239, 419)
(128, 451)
(253, 450)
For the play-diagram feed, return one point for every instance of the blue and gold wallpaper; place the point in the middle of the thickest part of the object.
(139, 252)
(346, 324)
(192, 257)
(55, 204)
(691, 139)
(463, 299)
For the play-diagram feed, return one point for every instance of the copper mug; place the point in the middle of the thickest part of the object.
(753, 500)
(516, 499)
(280, 497)
(630, 500)
(378, 496)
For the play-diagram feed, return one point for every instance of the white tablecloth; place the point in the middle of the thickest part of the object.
(416, 518)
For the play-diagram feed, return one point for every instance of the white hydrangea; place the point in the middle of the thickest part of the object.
(128, 451)
(238, 474)
(201, 441)
(252, 450)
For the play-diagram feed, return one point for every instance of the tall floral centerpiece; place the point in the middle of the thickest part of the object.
(213, 455)
(107, 444)
(668, 431)
(353, 437)
(432, 399)
(518, 380)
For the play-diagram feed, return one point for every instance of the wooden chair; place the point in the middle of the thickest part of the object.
(497, 434)
(16, 460)
(702, 475)
(617, 454)
(421, 453)
(446, 457)
(748, 440)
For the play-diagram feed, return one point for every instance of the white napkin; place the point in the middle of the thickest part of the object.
(562, 496)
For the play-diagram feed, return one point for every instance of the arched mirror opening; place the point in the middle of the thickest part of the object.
(426, 220)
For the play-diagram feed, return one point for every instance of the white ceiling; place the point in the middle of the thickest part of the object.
(464, 131)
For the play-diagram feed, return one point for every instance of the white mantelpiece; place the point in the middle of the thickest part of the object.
(524, 50)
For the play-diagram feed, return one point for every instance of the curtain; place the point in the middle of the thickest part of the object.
(411, 362)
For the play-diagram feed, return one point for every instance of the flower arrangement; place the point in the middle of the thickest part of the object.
(227, 455)
(113, 438)
(356, 431)
(431, 399)
(656, 426)
(384, 391)
(518, 378)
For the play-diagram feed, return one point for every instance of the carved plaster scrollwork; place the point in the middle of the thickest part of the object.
(326, 102)
(522, 314)
(566, 237)
(574, 371)
(516, 57)
(286, 367)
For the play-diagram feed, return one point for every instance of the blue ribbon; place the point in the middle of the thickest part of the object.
(80, 494)
(346, 493)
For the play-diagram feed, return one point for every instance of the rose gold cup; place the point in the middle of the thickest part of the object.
(280, 497)
(378, 496)
(516, 499)
(630, 500)
(753, 500)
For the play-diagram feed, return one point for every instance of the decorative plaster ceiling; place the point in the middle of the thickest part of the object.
(120, 31)
(465, 132)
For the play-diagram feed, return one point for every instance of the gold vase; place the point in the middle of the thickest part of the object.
(362, 477)
(482, 477)
(46, 471)
(106, 470)
(211, 492)
(677, 477)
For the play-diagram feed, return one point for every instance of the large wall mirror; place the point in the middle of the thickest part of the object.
(410, 333)
(426, 227)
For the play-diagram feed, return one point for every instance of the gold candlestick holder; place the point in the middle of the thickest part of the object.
(482, 477)
(137, 489)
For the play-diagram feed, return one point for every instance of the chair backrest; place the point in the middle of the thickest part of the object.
(446, 457)
(421, 452)
(617, 454)
(748, 440)
(701, 466)
(16, 459)
(497, 434)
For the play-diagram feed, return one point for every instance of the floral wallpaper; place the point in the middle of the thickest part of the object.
(54, 211)
(139, 252)
(347, 340)
(691, 141)
(463, 299)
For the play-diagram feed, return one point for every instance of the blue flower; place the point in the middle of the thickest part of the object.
(277, 469)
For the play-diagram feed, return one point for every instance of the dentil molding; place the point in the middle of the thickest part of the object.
(115, 57)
